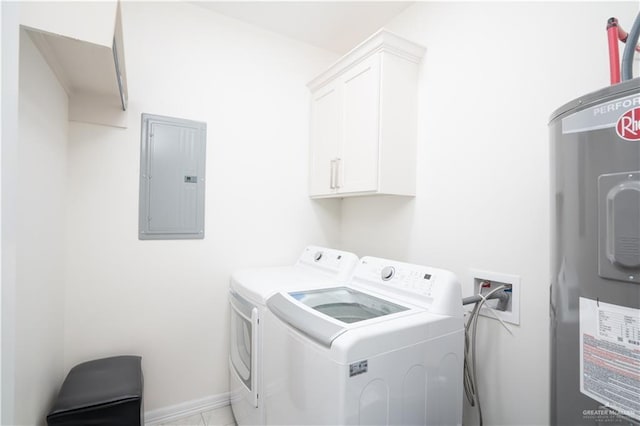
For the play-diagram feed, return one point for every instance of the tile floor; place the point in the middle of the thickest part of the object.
(218, 417)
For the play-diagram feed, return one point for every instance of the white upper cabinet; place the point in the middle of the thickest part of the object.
(82, 43)
(325, 128)
(363, 120)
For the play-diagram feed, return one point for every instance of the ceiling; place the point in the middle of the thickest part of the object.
(333, 25)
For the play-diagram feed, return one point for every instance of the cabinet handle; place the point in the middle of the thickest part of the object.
(337, 180)
(332, 174)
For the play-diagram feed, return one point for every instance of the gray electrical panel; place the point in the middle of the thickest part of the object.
(172, 178)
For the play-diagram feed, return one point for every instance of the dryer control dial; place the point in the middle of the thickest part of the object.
(317, 256)
(387, 273)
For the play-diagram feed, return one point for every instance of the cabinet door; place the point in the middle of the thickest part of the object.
(359, 151)
(325, 137)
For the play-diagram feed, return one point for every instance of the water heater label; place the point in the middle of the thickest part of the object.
(610, 355)
(603, 116)
(628, 125)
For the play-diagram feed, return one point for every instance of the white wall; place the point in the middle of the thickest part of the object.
(10, 31)
(167, 300)
(40, 231)
(492, 75)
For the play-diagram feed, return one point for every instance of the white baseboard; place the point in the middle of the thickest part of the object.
(185, 409)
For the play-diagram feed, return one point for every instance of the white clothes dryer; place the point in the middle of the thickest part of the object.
(385, 349)
(248, 292)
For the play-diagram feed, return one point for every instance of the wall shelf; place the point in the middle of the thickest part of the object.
(86, 54)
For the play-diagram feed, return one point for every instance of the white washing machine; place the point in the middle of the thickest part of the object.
(248, 292)
(386, 349)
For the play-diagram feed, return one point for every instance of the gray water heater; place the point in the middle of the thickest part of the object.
(595, 265)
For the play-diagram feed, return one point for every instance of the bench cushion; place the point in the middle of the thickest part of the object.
(101, 392)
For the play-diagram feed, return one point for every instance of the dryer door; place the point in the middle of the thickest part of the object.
(244, 343)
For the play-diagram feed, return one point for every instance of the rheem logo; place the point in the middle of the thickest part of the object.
(628, 126)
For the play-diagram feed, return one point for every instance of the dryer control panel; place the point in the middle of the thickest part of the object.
(335, 263)
(436, 289)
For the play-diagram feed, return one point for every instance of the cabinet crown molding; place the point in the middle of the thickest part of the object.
(381, 41)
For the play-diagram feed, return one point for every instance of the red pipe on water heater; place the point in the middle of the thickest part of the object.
(615, 33)
(614, 54)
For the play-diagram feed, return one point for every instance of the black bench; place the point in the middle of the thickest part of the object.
(105, 391)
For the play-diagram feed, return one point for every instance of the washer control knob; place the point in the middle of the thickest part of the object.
(387, 273)
(317, 256)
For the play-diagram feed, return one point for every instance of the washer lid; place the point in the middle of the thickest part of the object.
(326, 314)
(347, 305)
